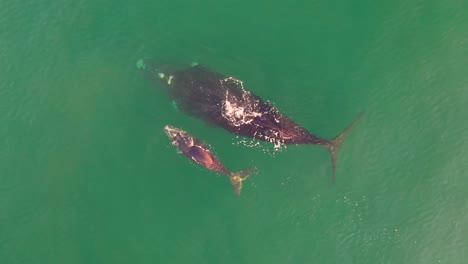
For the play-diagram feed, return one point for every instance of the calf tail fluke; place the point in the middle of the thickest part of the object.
(238, 177)
(334, 144)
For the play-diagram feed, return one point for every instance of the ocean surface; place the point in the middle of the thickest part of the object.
(87, 174)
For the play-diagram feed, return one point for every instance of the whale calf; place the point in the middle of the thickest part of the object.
(223, 101)
(197, 151)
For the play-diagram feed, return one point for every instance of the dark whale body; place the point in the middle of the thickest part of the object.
(222, 101)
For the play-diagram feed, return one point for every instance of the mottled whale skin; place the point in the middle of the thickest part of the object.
(223, 101)
(197, 151)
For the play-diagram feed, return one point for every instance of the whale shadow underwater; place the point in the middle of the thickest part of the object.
(223, 101)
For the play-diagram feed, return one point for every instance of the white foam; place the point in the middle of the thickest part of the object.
(241, 111)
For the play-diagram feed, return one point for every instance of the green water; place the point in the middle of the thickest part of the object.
(87, 174)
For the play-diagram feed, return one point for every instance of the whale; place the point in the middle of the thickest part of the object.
(223, 101)
(199, 152)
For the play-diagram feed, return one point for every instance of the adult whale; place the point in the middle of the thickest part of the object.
(223, 101)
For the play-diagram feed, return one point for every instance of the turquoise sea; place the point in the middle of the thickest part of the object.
(87, 174)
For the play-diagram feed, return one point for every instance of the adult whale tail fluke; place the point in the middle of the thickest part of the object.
(238, 177)
(334, 144)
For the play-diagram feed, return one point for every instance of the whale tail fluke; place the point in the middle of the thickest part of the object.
(238, 177)
(334, 144)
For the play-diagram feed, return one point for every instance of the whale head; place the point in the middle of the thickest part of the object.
(173, 132)
(179, 137)
(162, 69)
